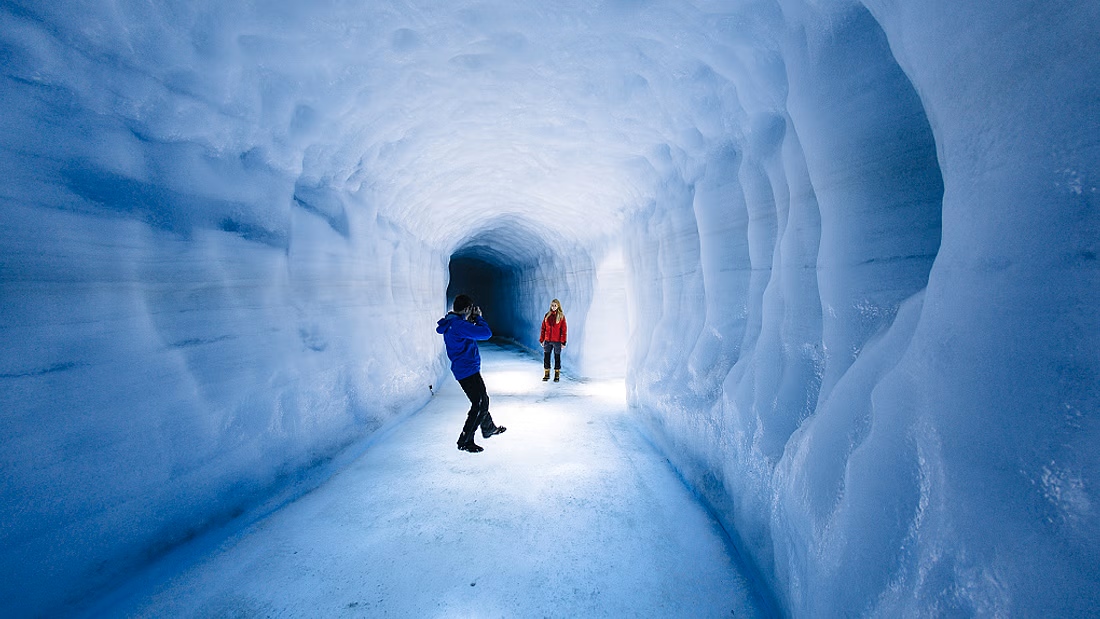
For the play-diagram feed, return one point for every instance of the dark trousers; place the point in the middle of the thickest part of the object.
(547, 348)
(479, 415)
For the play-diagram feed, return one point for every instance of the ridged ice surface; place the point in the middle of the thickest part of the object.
(844, 254)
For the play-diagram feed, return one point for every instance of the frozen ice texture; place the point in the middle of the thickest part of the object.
(845, 254)
(547, 521)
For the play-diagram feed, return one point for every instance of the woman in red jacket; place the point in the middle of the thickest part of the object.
(552, 339)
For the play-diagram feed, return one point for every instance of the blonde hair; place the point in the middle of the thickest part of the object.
(560, 313)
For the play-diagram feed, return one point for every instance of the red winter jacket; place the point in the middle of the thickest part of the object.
(553, 332)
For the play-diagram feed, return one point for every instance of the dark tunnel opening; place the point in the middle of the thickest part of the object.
(511, 270)
(491, 284)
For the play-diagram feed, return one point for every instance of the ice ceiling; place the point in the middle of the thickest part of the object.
(845, 254)
(548, 113)
(556, 114)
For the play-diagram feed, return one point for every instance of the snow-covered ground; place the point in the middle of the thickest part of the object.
(570, 513)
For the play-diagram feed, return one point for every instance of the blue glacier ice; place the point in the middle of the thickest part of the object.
(843, 253)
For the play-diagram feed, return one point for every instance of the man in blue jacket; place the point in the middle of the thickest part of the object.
(462, 328)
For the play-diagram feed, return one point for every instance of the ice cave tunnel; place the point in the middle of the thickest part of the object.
(843, 253)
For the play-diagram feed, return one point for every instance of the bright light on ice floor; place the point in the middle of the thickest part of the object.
(570, 513)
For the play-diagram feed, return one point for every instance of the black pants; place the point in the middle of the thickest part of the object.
(479, 415)
(547, 347)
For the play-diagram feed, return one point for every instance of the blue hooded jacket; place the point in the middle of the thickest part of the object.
(460, 336)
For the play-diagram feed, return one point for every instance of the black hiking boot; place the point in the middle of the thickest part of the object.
(499, 430)
(471, 447)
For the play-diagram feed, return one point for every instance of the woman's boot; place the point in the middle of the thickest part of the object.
(546, 374)
(557, 375)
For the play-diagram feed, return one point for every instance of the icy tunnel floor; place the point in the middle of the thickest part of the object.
(570, 513)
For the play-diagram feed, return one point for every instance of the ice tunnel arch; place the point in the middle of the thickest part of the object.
(513, 268)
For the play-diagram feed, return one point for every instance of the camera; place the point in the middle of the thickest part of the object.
(475, 311)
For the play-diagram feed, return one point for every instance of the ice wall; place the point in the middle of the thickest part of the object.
(844, 251)
(890, 395)
(190, 317)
